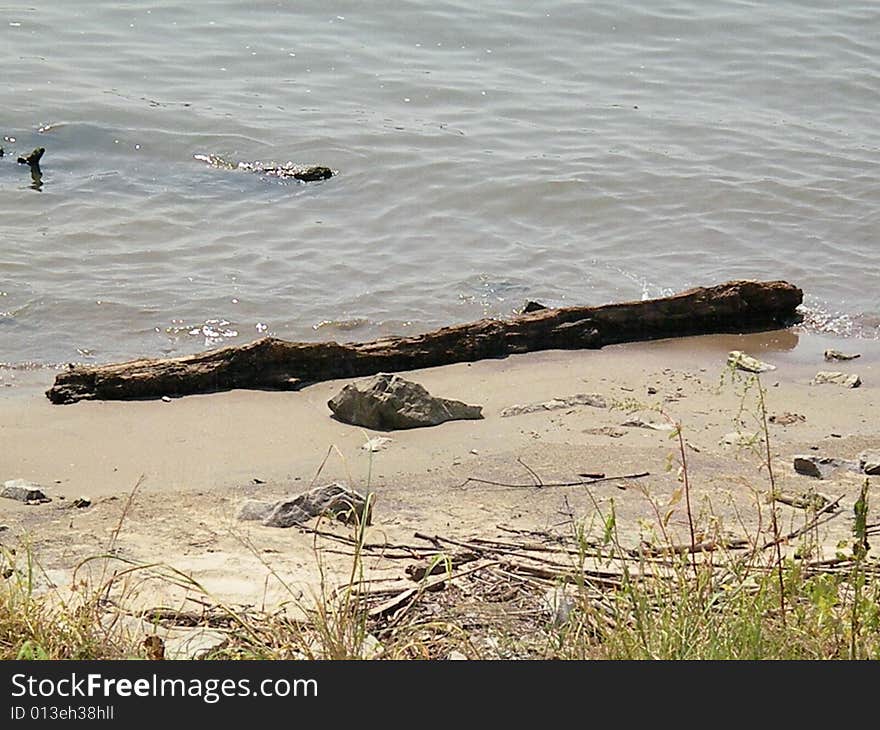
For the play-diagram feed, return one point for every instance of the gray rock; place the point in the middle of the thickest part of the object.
(838, 355)
(24, 491)
(333, 499)
(581, 399)
(387, 402)
(254, 509)
(849, 380)
(643, 422)
(870, 462)
(741, 361)
(560, 601)
(822, 467)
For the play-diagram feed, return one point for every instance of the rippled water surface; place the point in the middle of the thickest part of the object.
(486, 153)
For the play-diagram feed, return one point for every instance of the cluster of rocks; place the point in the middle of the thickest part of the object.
(22, 490)
(819, 467)
(383, 402)
(741, 361)
(823, 467)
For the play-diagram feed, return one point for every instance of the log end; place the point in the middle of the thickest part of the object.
(74, 384)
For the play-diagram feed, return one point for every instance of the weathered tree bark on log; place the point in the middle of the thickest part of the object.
(269, 363)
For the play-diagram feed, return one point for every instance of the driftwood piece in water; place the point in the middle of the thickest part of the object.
(33, 159)
(269, 363)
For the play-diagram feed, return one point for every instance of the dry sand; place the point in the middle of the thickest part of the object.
(201, 456)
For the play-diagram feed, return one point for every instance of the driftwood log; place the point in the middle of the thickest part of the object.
(269, 363)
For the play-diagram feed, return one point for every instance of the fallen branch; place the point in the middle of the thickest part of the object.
(580, 482)
(429, 585)
(820, 518)
(707, 546)
(270, 363)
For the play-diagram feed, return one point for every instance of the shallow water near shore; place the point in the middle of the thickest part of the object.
(571, 153)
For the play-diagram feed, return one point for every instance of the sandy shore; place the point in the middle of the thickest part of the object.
(201, 456)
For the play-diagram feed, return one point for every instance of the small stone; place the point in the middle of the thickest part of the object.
(24, 491)
(786, 419)
(870, 462)
(4, 528)
(838, 355)
(848, 380)
(166, 399)
(610, 431)
(580, 399)
(371, 647)
(81, 503)
(652, 390)
(560, 602)
(822, 467)
(642, 422)
(741, 361)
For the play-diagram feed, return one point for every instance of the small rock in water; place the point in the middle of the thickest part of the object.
(822, 467)
(838, 355)
(848, 380)
(741, 361)
(24, 491)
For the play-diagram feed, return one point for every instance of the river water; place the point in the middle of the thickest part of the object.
(486, 153)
